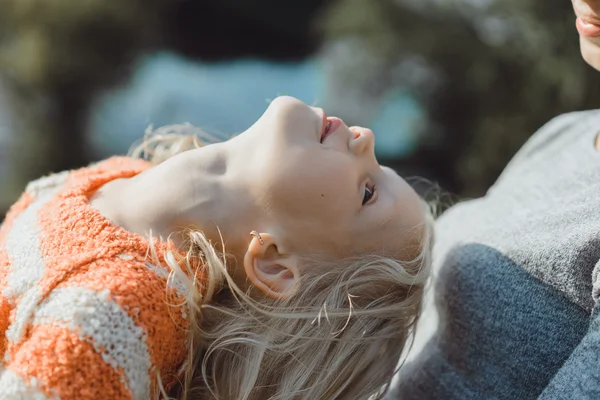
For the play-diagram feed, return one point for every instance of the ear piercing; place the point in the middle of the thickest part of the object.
(257, 235)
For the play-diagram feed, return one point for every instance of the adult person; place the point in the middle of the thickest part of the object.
(517, 272)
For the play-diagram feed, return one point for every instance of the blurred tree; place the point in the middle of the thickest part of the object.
(57, 55)
(489, 74)
(54, 57)
(224, 29)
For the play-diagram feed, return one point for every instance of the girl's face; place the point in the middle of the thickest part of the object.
(320, 187)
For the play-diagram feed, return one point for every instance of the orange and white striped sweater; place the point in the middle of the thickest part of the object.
(83, 314)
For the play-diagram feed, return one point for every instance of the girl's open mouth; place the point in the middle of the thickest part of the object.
(330, 124)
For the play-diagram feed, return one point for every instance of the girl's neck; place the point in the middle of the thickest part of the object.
(186, 191)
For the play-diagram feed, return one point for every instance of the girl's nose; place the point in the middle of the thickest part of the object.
(362, 140)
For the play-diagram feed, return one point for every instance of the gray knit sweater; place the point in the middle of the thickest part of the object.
(517, 282)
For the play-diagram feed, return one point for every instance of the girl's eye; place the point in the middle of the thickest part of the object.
(369, 192)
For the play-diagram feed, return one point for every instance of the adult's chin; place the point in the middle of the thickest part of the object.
(590, 50)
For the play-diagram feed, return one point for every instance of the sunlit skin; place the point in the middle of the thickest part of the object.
(588, 26)
(305, 196)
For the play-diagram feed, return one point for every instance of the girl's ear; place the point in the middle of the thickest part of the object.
(273, 273)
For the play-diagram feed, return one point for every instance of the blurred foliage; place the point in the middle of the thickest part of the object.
(54, 57)
(489, 74)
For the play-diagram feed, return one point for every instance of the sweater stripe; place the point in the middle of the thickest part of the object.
(26, 266)
(6, 308)
(13, 387)
(108, 328)
(82, 313)
(62, 363)
(173, 281)
(145, 304)
(47, 184)
(23, 249)
(21, 316)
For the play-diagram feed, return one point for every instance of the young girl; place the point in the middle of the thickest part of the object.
(299, 273)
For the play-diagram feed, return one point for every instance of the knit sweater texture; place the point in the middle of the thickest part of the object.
(84, 311)
(515, 311)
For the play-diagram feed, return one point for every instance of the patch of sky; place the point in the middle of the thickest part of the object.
(227, 97)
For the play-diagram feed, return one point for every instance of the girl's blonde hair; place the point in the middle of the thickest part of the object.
(341, 336)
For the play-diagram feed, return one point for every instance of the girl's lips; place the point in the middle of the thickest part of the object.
(333, 122)
(586, 28)
(323, 123)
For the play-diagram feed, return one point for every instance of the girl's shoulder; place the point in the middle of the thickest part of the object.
(80, 273)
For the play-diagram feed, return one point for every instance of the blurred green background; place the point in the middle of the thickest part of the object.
(452, 88)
